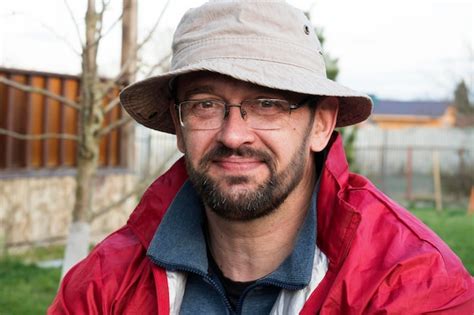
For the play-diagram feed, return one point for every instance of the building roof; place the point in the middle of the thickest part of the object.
(409, 108)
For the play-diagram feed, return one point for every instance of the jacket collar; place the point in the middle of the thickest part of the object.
(150, 211)
(337, 219)
(185, 220)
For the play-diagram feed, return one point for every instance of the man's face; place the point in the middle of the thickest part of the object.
(240, 172)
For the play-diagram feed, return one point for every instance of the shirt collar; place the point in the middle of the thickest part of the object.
(179, 242)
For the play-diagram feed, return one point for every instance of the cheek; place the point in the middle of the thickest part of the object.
(282, 145)
(195, 145)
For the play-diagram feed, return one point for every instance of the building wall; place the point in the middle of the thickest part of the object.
(35, 207)
(37, 210)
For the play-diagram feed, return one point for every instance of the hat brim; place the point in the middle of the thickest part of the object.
(148, 101)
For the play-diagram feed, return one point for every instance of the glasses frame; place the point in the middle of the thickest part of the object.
(227, 106)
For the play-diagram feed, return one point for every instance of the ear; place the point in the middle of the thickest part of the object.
(177, 127)
(324, 123)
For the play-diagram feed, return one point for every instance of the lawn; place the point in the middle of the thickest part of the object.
(25, 288)
(28, 289)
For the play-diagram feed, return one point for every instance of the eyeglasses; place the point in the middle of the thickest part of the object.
(263, 114)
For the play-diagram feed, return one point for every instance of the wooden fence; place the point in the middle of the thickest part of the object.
(418, 164)
(34, 114)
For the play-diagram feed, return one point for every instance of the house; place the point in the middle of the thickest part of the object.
(393, 114)
(416, 150)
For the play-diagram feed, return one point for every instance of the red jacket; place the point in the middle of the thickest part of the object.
(381, 258)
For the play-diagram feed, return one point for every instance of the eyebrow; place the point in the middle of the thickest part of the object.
(199, 89)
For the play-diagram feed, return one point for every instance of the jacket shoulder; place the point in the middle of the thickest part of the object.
(385, 222)
(112, 276)
(411, 269)
(117, 274)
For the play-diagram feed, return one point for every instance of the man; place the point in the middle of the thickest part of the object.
(261, 216)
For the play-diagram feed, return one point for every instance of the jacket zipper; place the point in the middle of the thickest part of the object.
(279, 284)
(197, 272)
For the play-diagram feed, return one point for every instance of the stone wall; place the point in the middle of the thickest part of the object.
(37, 210)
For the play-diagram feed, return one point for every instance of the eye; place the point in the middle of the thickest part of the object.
(204, 108)
(271, 104)
(265, 106)
(267, 103)
(206, 104)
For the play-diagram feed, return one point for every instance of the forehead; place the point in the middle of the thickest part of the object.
(211, 82)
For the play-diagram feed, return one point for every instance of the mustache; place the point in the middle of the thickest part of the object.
(221, 151)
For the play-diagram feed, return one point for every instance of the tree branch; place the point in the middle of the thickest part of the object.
(114, 82)
(139, 188)
(32, 89)
(116, 101)
(100, 23)
(43, 136)
(116, 124)
(126, 64)
(153, 29)
(76, 25)
(62, 38)
(112, 104)
(100, 14)
(101, 35)
(159, 64)
(110, 28)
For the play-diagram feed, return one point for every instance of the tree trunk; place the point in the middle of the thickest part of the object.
(129, 41)
(129, 64)
(91, 119)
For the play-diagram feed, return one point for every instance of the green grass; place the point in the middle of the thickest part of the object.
(455, 228)
(40, 254)
(25, 288)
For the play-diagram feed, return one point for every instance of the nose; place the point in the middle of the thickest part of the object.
(235, 131)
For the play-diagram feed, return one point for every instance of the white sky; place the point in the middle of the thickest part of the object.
(399, 49)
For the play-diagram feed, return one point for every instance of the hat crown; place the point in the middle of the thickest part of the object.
(260, 30)
(267, 43)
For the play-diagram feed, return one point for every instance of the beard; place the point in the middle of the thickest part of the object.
(249, 204)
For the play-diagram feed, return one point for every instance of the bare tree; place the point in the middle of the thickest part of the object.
(91, 116)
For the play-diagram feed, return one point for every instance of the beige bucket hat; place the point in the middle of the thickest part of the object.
(268, 43)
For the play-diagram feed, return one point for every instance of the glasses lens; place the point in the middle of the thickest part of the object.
(266, 113)
(202, 114)
(263, 114)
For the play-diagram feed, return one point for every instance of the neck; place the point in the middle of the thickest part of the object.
(250, 250)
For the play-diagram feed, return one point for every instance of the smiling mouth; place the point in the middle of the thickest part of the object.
(238, 164)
